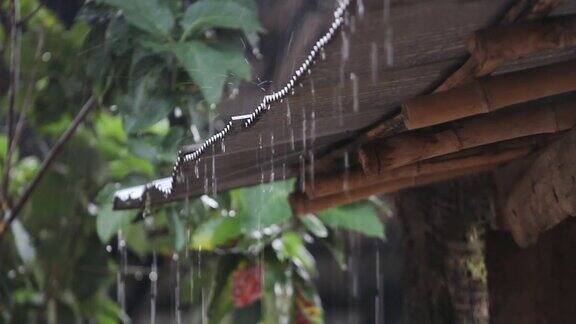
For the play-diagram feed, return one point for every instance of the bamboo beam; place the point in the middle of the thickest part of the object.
(493, 46)
(490, 94)
(301, 204)
(409, 148)
(544, 195)
(331, 184)
(524, 39)
(523, 10)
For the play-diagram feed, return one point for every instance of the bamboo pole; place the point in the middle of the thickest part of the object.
(412, 147)
(524, 43)
(490, 94)
(302, 205)
(492, 46)
(331, 184)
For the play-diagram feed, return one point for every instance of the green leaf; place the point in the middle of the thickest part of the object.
(214, 232)
(360, 217)
(3, 146)
(152, 16)
(265, 205)
(224, 14)
(221, 302)
(314, 225)
(148, 104)
(136, 239)
(291, 247)
(336, 245)
(277, 291)
(24, 247)
(109, 126)
(210, 66)
(130, 164)
(177, 231)
(109, 221)
(27, 296)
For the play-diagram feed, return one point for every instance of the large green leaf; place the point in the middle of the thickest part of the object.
(227, 14)
(221, 303)
(177, 231)
(210, 66)
(357, 217)
(214, 232)
(314, 225)
(291, 247)
(148, 104)
(277, 291)
(152, 16)
(109, 221)
(264, 205)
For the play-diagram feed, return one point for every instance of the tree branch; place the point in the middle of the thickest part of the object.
(14, 79)
(20, 124)
(54, 152)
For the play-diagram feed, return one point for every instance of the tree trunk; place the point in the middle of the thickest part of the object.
(444, 251)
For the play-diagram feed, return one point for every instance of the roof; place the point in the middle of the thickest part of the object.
(380, 58)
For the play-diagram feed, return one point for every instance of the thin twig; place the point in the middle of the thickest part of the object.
(14, 79)
(31, 15)
(20, 124)
(54, 152)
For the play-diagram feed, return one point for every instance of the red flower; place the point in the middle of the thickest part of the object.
(246, 286)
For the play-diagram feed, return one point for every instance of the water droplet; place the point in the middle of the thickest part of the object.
(361, 9)
(46, 57)
(153, 276)
(355, 89)
(374, 62)
(345, 47)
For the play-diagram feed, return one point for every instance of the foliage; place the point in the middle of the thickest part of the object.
(158, 67)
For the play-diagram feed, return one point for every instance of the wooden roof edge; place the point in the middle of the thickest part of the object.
(489, 48)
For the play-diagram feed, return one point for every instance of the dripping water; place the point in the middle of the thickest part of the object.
(339, 107)
(312, 89)
(361, 8)
(345, 185)
(214, 183)
(273, 153)
(196, 171)
(379, 299)
(312, 142)
(288, 113)
(388, 32)
(355, 89)
(177, 314)
(121, 274)
(153, 277)
(204, 312)
(374, 62)
(345, 52)
(302, 173)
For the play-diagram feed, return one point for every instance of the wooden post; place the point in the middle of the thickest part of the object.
(445, 275)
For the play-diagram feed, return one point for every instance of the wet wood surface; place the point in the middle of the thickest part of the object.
(388, 62)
